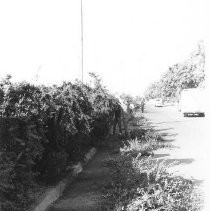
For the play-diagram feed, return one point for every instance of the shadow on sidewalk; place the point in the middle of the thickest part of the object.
(169, 161)
(169, 134)
(197, 182)
(158, 123)
(160, 155)
(164, 129)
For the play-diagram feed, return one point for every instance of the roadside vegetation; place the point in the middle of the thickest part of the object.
(139, 182)
(43, 129)
(187, 74)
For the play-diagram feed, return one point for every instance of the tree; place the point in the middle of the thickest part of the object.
(153, 91)
(184, 75)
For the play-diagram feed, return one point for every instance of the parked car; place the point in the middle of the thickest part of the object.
(158, 102)
(192, 102)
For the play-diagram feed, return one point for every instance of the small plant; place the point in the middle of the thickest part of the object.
(143, 143)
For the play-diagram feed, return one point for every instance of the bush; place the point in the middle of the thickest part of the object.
(41, 128)
(143, 141)
(143, 183)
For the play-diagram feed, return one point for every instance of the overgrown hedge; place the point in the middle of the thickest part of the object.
(41, 128)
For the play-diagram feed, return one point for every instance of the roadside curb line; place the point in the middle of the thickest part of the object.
(57, 191)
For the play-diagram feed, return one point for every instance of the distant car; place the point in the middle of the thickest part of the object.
(158, 102)
(192, 102)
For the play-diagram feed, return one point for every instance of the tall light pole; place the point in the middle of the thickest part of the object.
(82, 50)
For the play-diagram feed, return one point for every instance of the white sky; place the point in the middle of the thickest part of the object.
(129, 43)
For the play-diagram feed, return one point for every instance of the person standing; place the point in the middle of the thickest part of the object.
(117, 118)
(142, 105)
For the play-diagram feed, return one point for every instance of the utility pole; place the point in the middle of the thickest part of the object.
(82, 50)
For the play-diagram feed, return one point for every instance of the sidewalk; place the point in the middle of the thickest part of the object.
(85, 193)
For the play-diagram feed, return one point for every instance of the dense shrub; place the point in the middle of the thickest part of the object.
(43, 127)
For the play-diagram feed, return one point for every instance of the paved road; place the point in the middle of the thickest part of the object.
(189, 135)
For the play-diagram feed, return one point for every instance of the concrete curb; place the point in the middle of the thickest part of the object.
(57, 191)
